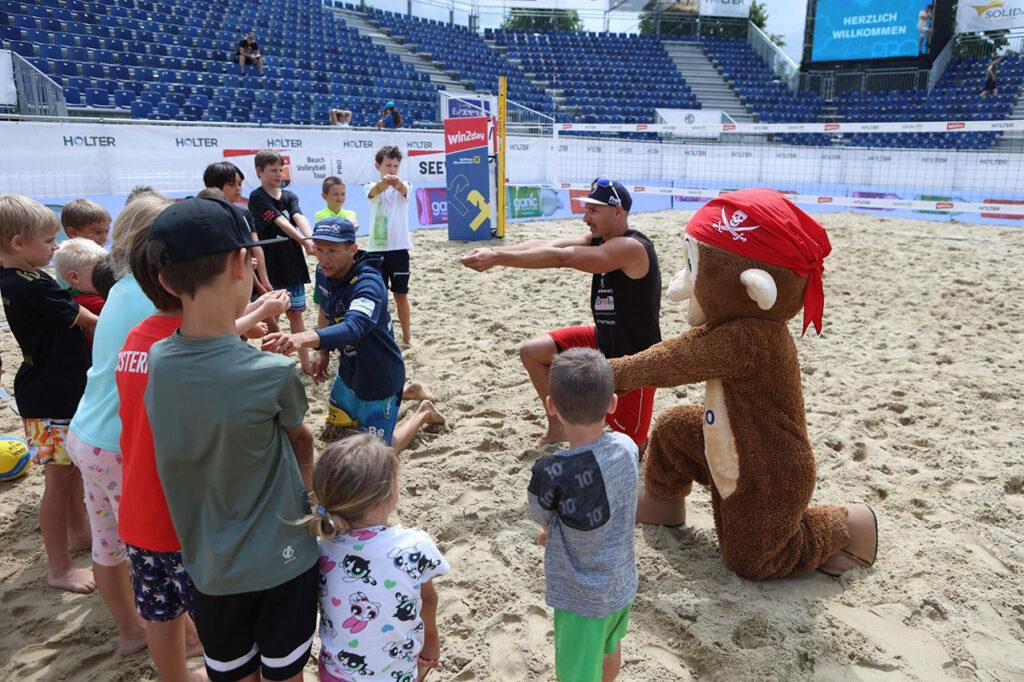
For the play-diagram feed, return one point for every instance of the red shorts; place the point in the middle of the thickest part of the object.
(636, 408)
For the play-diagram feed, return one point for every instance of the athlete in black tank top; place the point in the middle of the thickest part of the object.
(627, 311)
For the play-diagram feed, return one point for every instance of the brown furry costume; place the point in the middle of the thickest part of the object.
(748, 442)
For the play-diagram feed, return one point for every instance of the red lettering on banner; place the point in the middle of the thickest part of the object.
(729, 126)
(641, 126)
(831, 126)
(566, 126)
(996, 210)
(461, 134)
(824, 200)
(956, 125)
(565, 185)
(940, 205)
(639, 188)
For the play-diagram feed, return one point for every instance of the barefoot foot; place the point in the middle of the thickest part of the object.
(555, 434)
(415, 391)
(80, 542)
(660, 511)
(432, 415)
(75, 579)
(133, 644)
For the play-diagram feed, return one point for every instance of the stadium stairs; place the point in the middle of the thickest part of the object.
(419, 61)
(711, 88)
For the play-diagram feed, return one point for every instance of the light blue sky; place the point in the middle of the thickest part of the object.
(787, 18)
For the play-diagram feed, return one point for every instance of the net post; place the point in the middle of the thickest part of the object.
(500, 177)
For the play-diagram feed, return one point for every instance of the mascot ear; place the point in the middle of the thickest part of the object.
(760, 287)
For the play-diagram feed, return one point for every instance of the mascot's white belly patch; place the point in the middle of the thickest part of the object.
(719, 444)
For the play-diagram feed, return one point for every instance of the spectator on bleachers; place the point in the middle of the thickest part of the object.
(341, 117)
(992, 77)
(249, 53)
(391, 117)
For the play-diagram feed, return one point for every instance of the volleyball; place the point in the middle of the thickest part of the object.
(14, 458)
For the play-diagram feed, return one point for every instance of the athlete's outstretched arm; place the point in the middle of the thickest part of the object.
(615, 254)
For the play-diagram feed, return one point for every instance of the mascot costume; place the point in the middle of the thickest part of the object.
(753, 260)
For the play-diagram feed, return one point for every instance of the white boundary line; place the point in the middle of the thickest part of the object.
(828, 200)
(825, 128)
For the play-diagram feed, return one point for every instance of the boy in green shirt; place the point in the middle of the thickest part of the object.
(230, 468)
(334, 193)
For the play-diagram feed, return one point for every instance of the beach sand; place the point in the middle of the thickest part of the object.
(914, 405)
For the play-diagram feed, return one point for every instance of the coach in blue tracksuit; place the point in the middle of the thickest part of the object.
(354, 319)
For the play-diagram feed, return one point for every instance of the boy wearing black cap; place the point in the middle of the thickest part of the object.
(625, 299)
(230, 468)
(354, 319)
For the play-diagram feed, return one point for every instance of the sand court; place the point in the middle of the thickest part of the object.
(914, 405)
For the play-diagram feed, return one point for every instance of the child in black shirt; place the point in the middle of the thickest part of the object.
(51, 329)
(277, 213)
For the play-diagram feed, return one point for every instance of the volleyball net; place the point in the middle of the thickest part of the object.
(943, 166)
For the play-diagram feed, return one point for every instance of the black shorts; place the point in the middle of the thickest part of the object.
(396, 271)
(250, 60)
(990, 85)
(272, 629)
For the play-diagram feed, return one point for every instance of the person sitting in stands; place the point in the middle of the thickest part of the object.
(391, 117)
(249, 53)
(341, 117)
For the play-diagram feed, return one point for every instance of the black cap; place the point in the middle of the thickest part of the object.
(608, 193)
(201, 227)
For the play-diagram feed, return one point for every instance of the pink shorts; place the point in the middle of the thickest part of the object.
(101, 473)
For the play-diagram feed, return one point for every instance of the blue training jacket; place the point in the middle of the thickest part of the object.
(359, 325)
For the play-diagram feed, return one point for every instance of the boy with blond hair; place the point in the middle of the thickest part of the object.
(85, 218)
(74, 263)
(51, 330)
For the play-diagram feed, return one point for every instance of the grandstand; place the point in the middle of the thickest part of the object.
(175, 60)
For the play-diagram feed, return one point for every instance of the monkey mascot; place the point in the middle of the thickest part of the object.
(753, 260)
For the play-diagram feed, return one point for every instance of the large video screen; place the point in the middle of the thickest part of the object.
(847, 30)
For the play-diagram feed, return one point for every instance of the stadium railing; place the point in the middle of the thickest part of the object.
(38, 95)
(781, 63)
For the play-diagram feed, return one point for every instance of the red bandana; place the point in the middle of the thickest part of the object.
(764, 225)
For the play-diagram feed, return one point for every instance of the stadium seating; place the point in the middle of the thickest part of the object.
(175, 59)
(605, 77)
(465, 53)
(168, 52)
(956, 97)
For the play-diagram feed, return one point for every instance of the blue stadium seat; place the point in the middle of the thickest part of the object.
(98, 97)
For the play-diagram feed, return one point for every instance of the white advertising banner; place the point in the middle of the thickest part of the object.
(989, 15)
(8, 92)
(725, 8)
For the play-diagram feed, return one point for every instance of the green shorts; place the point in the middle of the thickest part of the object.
(581, 643)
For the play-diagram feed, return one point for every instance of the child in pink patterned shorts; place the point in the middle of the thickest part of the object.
(51, 331)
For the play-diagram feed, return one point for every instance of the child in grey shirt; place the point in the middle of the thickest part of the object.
(585, 499)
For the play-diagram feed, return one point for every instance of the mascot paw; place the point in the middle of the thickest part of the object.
(862, 548)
